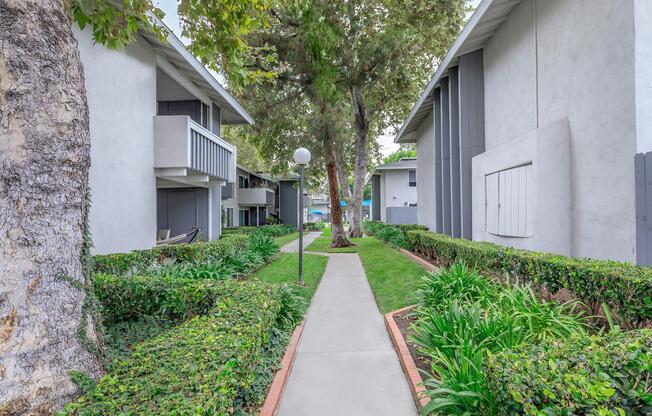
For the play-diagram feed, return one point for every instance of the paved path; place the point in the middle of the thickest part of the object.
(345, 363)
(293, 246)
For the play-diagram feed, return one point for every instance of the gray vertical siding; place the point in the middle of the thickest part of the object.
(182, 209)
(643, 187)
(288, 202)
(375, 197)
(471, 104)
(445, 157)
(454, 126)
(439, 221)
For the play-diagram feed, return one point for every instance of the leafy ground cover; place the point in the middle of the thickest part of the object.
(201, 366)
(188, 331)
(285, 268)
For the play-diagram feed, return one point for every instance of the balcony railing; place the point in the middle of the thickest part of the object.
(255, 196)
(185, 149)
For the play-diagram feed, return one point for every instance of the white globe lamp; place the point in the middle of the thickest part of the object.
(302, 156)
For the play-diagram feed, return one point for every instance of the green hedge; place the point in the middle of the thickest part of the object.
(138, 260)
(598, 375)
(622, 286)
(314, 226)
(394, 234)
(276, 230)
(199, 367)
(128, 298)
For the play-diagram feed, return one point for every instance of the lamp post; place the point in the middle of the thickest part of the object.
(301, 158)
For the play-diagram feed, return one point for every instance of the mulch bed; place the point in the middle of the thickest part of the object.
(404, 320)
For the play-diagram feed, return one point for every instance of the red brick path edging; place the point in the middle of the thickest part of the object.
(418, 259)
(280, 379)
(409, 367)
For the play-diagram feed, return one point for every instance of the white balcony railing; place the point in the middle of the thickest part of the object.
(255, 196)
(184, 148)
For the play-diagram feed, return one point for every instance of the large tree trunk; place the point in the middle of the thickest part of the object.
(343, 180)
(339, 235)
(361, 155)
(44, 162)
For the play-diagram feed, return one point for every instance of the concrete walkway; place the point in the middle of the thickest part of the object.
(293, 246)
(345, 364)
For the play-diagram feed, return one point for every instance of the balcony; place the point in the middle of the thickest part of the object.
(255, 196)
(185, 152)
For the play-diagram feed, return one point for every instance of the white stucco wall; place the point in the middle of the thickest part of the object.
(397, 192)
(643, 29)
(426, 208)
(121, 90)
(548, 62)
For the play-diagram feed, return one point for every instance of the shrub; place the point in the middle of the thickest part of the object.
(133, 297)
(203, 366)
(139, 260)
(457, 283)
(276, 230)
(599, 375)
(393, 234)
(314, 226)
(464, 318)
(622, 286)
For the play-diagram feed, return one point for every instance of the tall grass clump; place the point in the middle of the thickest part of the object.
(463, 318)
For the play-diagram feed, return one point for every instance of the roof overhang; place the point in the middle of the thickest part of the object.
(174, 51)
(482, 25)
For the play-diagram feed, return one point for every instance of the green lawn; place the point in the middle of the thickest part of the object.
(283, 240)
(323, 244)
(393, 277)
(285, 269)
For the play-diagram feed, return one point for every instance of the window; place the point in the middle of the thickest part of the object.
(244, 218)
(243, 182)
(509, 209)
(229, 217)
(412, 178)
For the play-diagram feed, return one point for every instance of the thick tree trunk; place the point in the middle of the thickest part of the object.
(343, 180)
(44, 162)
(361, 155)
(339, 235)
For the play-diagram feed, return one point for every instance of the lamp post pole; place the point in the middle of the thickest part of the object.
(301, 226)
(301, 158)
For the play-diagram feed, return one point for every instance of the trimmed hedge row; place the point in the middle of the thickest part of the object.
(138, 260)
(598, 375)
(395, 234)
(133, 297)
(622, 286)
(199, 367)
(276, 230)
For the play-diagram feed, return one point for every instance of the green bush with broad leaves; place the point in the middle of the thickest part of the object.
(463, 317)
(314, 226)
(608, 374)
(625, 288)
(393, 234)
(206, 365)
(138, 260)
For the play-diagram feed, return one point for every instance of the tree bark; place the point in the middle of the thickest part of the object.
(44, 162)
(338, 234)
(362, 119)
(343, 180)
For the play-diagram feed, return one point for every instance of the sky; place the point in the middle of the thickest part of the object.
(172, 21)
